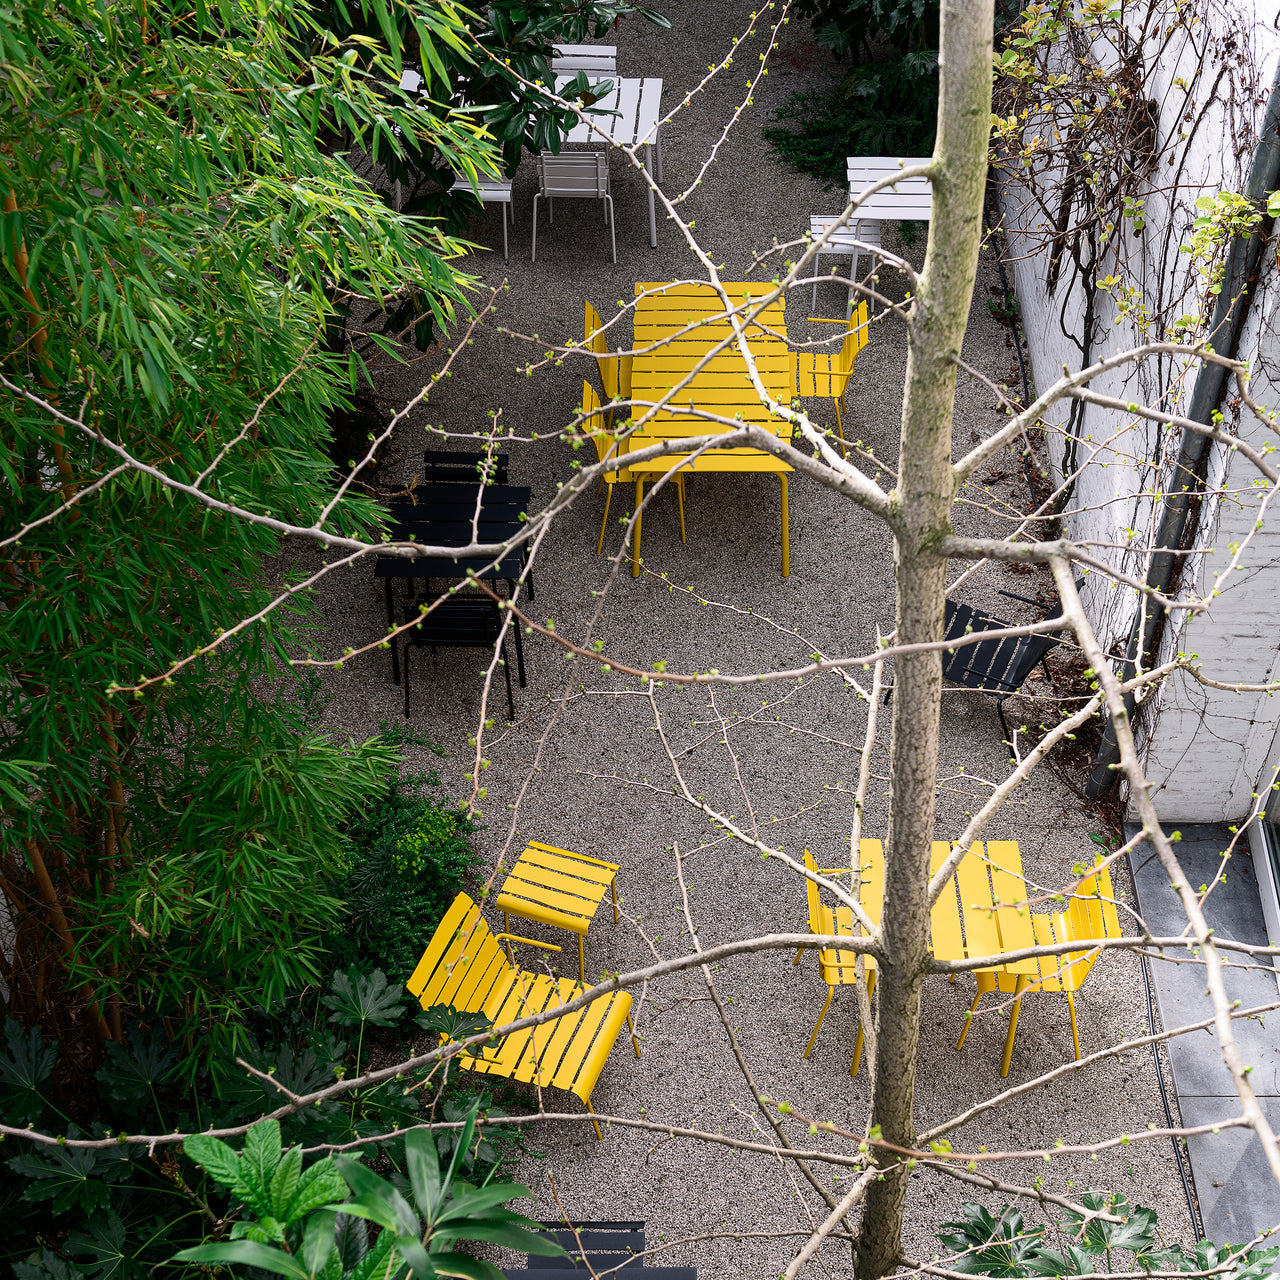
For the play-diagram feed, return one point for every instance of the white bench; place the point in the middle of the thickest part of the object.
(594, 59)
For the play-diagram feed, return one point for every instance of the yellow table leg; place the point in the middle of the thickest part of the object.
(786, 531)
(1075, 1030)
(635, 531)
(1013, 1025)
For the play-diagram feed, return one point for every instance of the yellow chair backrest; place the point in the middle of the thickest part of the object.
(463, 961)
(1091, 913)
(615, 370)
(855, 339)
(815, 902)
(603, 439)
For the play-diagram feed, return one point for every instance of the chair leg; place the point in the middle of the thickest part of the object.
(680, 500)
(533, 248)
(506, 671)
(1075, 1030)
(613, 230)
(857, 1044)
(635, 532)
(582, 964)
(1004, 724)
(786, 528)
(1013, 1026)
(505, 258)
(657, 146)
(406, 679)
(986, 982)
(595, 1122)
(830, 992)
(844, 448)
(515, 627)
(608, 498)
(635, 1044)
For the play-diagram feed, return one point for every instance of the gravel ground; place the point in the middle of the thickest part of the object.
(722, 602)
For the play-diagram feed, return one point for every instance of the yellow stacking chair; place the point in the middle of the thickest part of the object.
(614, 367)
(838, 966)
(465, 966)
(820, 375)
(1091, 913)
(604, 440)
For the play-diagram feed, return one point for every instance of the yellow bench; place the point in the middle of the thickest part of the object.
(465, 966)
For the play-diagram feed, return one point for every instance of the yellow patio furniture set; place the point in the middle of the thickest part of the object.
(684, 339)
(981, 913)
(991, 920)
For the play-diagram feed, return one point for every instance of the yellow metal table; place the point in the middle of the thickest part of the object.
(676, 325)
(981, 912)
(558, 888)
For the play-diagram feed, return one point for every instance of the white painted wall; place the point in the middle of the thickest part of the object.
(1205, 748)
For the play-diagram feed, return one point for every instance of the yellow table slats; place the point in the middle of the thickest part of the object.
(559, 888)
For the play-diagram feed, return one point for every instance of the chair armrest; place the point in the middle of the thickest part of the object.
(825, 320)
(533, 942)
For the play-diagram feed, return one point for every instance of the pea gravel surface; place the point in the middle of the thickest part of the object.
(583, 767)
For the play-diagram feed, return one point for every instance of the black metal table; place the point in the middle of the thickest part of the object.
(445, 515)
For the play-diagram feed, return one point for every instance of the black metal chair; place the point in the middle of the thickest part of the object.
(606, 1245)
(443, 466)
(460, 622)
(998, 667)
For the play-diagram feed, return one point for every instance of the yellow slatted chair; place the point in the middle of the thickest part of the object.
(604, 440)
(614, 367)
(838, 967)
(1091, 913)
(466, 966)
(821, 375)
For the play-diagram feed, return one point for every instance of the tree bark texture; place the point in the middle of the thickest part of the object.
(922, 501)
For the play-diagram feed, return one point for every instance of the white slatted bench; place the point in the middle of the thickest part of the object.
(594, 59)
(910, 200)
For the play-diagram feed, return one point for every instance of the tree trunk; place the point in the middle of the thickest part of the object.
(923, 498)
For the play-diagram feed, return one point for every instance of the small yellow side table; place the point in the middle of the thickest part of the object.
(557, 888)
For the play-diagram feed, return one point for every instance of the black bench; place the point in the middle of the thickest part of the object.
(998, 667)
(459, 622)
(606, 1245)
(445, 466)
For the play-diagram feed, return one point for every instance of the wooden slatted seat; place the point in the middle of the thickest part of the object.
(466, 966)
(459, 622)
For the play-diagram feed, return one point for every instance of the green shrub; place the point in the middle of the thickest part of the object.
(886, 108)
(409, 858)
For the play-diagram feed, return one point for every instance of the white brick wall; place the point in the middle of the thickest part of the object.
(1206, 748)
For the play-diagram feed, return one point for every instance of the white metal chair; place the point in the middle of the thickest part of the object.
(574, 175)
(491, 191)
(849, 242)
(594, 59)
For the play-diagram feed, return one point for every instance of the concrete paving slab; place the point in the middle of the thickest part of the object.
(1234, 910)
(1237, 1194)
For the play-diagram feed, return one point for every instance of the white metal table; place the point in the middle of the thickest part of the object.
(638, 104)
